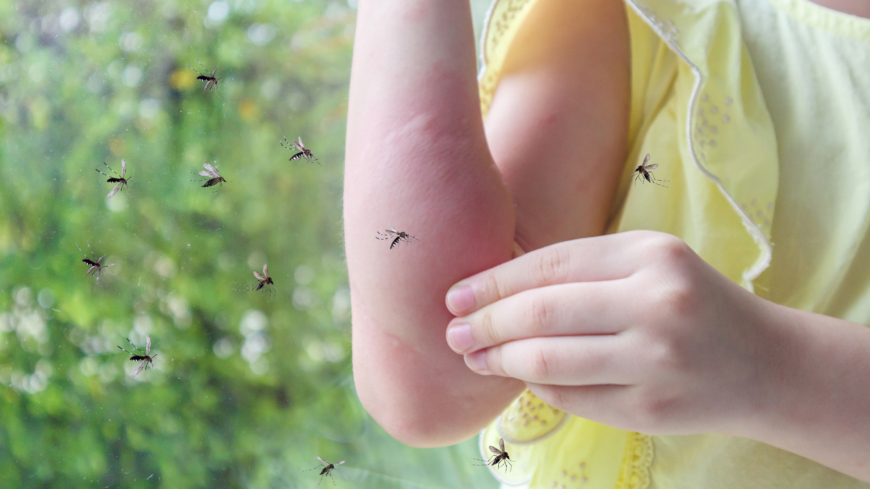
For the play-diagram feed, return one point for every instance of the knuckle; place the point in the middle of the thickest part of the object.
(550, 265)
(670, 249)
(677, 297)
(553, 396)
(493, 288)
(542, 364)
(653, 408)
(664, 355)
(488, 331)
(493, 361)
(541, 312)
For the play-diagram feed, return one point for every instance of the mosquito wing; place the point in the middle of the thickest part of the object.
(214, 171)
(91, 270)
(206, 86)
(148, 351)
(495, 450)
(651, 167)
(259, 276)
(139, 368)
(206, 174)
(299, 145)
(114, 190)
(266, 270)
(213, 72)
(339, 463)
(501, 443)
(645, 159)
(324, 461)
(123, 168)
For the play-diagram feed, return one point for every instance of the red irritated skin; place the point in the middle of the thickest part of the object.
(417, 158)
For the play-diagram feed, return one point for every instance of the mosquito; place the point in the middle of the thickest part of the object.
(396, 236)
(214, 176)
(210, 80)
(645, 171)
(264, 281)
(303, 152)
(121, 181)
(96, 267)
(327, 469)
(500, 456)
(146, 359)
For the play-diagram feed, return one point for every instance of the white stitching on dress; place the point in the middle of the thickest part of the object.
(670, 37)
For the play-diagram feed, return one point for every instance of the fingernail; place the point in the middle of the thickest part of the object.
(461, 300)
(477, 361)
(460, 338)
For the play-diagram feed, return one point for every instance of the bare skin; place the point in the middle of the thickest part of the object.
(420, 158)
(636, 331)
(860, 8)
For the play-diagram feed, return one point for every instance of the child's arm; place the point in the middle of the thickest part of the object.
(417, 159)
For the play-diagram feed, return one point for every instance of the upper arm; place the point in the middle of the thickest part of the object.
(558, 124)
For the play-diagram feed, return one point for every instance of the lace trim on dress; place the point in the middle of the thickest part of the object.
(635, 473)
(667, 31)
(496, 26)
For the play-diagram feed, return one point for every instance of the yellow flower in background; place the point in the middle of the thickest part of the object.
(182, 79)
(117, 146)
(248, 110)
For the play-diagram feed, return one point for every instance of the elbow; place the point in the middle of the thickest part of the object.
(405, 404)
(415, 426)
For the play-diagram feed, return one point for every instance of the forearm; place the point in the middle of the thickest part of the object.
(417, 159)
(820, 405)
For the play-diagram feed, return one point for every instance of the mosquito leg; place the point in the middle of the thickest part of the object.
(131, 344)
(110, 169)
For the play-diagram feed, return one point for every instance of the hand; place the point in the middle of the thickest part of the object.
(633, 330)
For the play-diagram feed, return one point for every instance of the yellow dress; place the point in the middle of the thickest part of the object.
(758, 112)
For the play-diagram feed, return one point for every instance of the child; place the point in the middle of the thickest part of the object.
(756, 111)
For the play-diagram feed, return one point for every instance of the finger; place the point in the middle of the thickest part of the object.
(561, 360)
(595, 259)
(556, 310)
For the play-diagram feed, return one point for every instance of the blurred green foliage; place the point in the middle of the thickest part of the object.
(247, 387)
